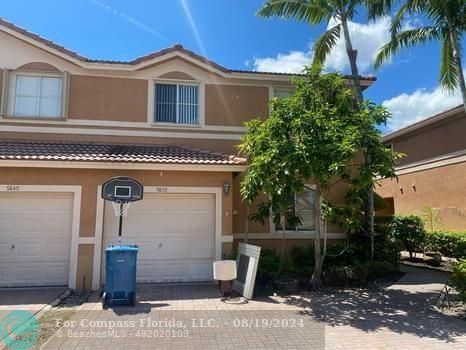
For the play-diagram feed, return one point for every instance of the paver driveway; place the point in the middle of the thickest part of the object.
(398, 317)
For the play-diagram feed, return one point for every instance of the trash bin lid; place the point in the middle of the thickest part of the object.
(120, 248)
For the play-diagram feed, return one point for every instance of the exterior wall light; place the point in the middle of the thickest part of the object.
(226, 187)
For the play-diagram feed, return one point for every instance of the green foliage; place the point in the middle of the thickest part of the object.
(343, 265)
(432, 218)
(445, 22)
(231, 255)
(410, 231)
(316, 12)
(316, 133)
(343, 275)
(448, 243)
(458, 278)
(269, 264)
(302, 261)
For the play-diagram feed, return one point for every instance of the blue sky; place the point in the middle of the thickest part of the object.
(229, 33)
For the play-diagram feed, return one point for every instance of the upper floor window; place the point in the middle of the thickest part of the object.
(304, 207)
(37, 96)
(282, 92)
(176, 103)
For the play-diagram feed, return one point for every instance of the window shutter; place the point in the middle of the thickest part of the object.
(4, 97)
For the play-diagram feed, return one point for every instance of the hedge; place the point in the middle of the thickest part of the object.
(449, 243)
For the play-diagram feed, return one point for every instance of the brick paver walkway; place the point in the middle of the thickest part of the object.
(399, 317)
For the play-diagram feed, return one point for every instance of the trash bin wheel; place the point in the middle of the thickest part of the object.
(133, 300)
(104, 301)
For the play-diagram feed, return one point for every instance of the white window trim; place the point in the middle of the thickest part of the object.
(200, 106)
(12, 93)
(294, 233)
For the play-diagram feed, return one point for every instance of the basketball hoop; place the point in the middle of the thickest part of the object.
(122, 191)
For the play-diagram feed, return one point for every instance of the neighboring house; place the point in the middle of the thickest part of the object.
(431, 177)
(170, 119)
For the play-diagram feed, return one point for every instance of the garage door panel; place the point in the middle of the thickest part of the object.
(35, 239)
(201, 249)
(175, 235)
(5, 250)
(3, 274)
(7, 225)
(202, 270)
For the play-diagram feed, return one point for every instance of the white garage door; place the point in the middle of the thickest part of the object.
(35, 238)
(174, 232)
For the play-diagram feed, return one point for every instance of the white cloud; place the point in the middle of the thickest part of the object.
(366, 38)
(292, 62)
(410, 108)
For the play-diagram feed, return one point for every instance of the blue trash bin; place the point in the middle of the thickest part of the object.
(120, 275)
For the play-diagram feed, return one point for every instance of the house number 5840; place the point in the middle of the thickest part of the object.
(12, 188)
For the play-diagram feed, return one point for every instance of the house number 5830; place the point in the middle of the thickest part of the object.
(12, 188)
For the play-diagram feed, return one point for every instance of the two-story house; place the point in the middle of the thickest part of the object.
(431, 177)
(170, 119)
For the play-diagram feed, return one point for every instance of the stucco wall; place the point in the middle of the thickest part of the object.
(442, 187)
(232, 105)
(102, 98)
(441, 138)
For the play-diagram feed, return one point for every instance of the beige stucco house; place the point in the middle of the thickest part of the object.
(431, 177)
(170, 119)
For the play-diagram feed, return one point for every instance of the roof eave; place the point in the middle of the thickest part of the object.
(423, 123)
(66, 164)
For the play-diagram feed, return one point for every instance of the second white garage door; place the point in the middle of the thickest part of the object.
(175, 235)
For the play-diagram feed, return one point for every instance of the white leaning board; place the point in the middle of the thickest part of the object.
(247, 262)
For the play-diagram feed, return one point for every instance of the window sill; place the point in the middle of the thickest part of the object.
(30, 118)
(175, 125)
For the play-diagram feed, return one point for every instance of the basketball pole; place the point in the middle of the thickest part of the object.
(121, 220)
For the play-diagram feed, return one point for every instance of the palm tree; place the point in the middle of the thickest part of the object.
(316, 12)
(447, 23)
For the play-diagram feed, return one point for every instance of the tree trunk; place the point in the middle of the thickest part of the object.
(369, 202)
(246, 228)
(352, 56)
(283, 245)
(459, 66)
(319, 256)
(369, 216)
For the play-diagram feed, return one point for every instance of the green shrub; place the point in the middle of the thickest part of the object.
(381, 269)
(448, 243)
(458, 278)
(269, 264)
(410, 231)
(231, 255)
(343, 275)
(302, 261)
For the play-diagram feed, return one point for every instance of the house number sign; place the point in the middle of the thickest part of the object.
(12, 188)
(161, 189)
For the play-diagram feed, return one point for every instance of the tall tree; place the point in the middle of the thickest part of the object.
(341, 12)
(446, 24)
(313, 136)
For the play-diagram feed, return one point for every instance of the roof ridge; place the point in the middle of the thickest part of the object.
(176, 47)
